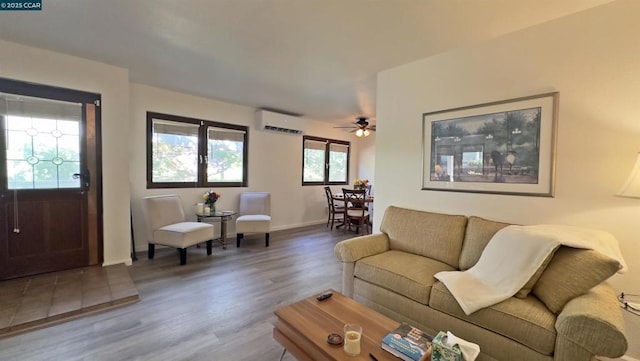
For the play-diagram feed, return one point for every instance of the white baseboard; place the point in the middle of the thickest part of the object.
(305, 224)
(231, 236)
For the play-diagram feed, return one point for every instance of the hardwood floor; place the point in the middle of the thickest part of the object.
(217, 307)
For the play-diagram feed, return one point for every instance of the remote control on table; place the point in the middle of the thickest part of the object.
(324, 296)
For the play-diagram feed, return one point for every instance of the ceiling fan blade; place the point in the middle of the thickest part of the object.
(345, 127)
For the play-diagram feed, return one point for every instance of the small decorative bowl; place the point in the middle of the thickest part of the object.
(334, 339)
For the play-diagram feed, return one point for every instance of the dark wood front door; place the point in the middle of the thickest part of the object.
(50, 189)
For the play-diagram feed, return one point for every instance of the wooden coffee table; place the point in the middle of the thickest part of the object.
(302, 328)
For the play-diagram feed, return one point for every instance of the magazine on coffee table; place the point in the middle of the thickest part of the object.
(407, 342)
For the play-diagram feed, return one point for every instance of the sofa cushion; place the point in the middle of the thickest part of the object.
(401, 272)
(183, 234)
(478, 233)
(528, 287)
(524, 320)
(433, 235)
(572, 272)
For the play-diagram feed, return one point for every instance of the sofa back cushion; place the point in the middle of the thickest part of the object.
(572, 272)
(434, 235)
(479, 232)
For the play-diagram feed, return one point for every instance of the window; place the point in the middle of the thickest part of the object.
(325, 161)
(42, 138)
(184, 152)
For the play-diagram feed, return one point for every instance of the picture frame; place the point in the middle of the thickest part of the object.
(504, 147)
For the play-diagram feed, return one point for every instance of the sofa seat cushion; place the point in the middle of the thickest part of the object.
(404, 273)
(525, 320)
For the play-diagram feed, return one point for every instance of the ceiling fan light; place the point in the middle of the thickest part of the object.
(359, 133)
(366, 132)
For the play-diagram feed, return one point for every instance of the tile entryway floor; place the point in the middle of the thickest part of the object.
(37, 301)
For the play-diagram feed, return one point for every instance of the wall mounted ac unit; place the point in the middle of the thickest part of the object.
(281, 123)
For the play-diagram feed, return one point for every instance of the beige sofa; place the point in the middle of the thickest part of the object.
(565, 312)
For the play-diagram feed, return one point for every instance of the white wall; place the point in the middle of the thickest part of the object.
(367, 159)
(40, 66)
(275, 160)
(593, 59)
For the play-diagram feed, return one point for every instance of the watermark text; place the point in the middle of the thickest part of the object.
(17, 5)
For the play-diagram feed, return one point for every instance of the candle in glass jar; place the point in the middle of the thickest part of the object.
(200, 208)
(352, 336)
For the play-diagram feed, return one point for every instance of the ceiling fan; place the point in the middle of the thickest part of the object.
(361, 127)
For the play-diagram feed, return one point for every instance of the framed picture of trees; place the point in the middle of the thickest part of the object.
(505, 147)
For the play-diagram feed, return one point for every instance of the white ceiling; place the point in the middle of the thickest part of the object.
(316, 58)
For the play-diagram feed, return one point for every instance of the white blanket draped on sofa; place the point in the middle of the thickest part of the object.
(513, 255)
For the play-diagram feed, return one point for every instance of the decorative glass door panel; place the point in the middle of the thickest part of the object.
(43, 153)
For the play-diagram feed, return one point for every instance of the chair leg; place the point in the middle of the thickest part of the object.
(333, 220)
(266, 240)
(238, 239)
(152, 250)
(183, 256)
(359, 225)
(209, 245)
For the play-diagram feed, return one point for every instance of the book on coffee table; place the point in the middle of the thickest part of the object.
(407, 342)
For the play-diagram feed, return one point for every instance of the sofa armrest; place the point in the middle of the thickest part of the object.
(351, 250)
(592, 322)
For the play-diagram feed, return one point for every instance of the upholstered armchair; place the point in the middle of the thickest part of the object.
(167, 226)
(254, 215)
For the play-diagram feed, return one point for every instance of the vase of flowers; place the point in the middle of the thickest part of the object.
(360, 183)
(210, 198)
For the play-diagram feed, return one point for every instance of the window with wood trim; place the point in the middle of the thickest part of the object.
(186, 152)
(325, 161)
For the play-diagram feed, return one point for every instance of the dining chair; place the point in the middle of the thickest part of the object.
(336, 211)
(368, 188)
(356, 208)
(167, 226)
(254, 215)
